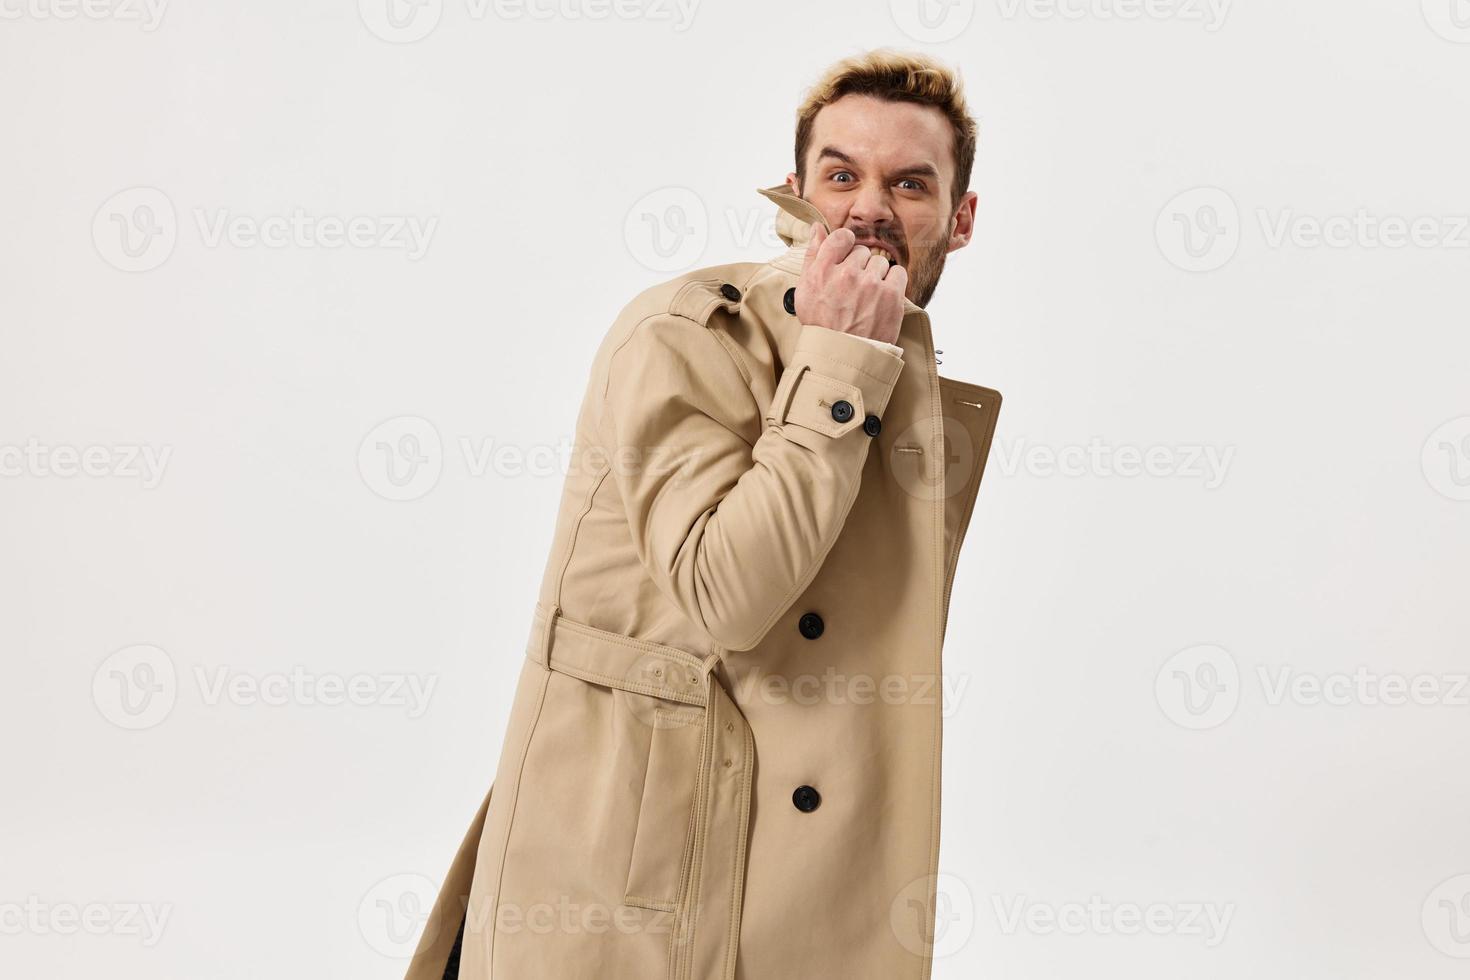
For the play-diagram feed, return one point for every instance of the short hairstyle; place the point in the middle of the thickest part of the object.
(897, 76)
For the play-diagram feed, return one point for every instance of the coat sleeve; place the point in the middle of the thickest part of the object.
(732, 507)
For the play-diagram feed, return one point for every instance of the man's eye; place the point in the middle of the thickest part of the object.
(916, 185)
(841, 173)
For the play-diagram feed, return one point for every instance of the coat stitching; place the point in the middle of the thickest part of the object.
(515, 797)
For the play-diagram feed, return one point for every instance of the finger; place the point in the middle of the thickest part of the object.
(858, 257)
(898, 275)
(878, 265)
(814, 245)
(837, 246)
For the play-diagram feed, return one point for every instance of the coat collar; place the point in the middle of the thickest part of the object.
(796, 220)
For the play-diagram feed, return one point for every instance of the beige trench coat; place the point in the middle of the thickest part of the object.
(723, 755)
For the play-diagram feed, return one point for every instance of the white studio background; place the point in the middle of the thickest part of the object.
(1207, 650)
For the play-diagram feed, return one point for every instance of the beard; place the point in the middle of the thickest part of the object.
(925, 264)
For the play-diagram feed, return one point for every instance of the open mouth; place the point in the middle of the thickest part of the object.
(885, 248)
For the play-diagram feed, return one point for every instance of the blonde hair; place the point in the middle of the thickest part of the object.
(897, 76)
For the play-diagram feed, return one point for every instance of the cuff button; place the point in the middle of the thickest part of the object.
(789, 301)
(872, 425)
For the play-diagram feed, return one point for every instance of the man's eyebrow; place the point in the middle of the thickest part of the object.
(912, 170)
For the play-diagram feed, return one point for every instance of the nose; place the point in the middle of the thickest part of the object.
(871, 206)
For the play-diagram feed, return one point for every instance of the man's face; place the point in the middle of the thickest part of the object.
(886, 170)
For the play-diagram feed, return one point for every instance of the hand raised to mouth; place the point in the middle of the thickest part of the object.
(851, 288)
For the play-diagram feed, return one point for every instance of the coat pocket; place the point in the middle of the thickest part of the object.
(662, 840)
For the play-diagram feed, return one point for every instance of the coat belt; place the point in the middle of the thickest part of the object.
(614, 660)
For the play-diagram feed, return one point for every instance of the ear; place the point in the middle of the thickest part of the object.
(964, 222)
(793, 183)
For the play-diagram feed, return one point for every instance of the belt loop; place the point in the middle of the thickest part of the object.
(543, 646)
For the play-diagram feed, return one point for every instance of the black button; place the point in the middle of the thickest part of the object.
(730, 292)
(789, 301)
(872, 425)
(842, 410)
(811, 625)
(806, 799)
